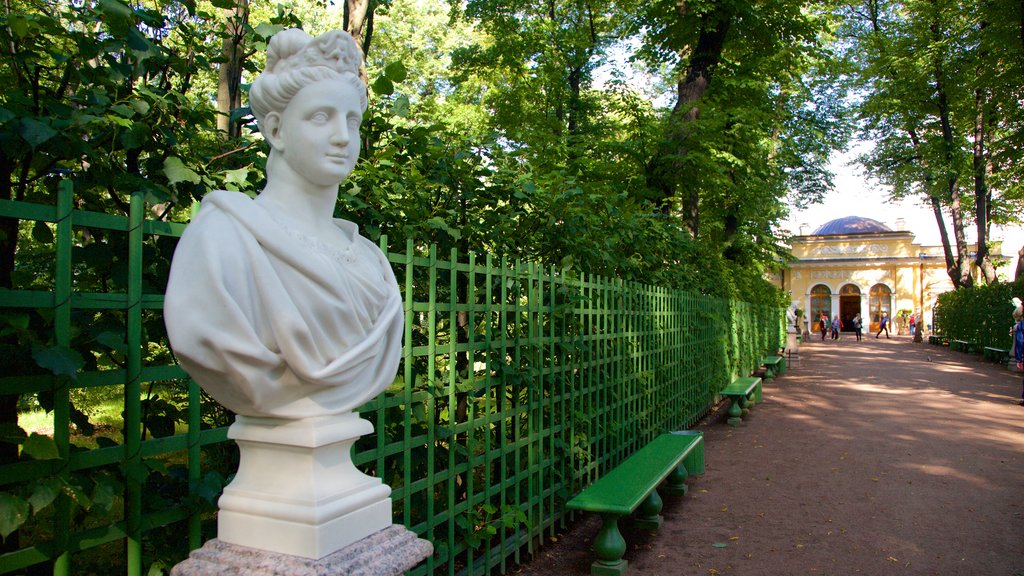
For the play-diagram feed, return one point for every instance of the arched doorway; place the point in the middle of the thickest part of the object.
(849, 305)
(879, 303)
(821, 303)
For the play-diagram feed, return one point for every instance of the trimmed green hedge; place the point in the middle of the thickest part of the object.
(980, 315)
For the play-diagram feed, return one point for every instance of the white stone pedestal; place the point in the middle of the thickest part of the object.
(297, 491)
(792, 344)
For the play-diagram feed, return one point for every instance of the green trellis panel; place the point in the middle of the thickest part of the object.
(519, 386)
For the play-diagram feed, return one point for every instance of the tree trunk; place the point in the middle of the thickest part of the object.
(664, 168)
(1018, 275)
(960, 271)
(358, 21)
(981, 190)
(229, 74)
(8, 248)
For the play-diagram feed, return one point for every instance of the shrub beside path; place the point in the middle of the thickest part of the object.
(874, 457)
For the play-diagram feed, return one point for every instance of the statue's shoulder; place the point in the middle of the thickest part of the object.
(216, 223)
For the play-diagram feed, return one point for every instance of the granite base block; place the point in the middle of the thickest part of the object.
(389, 552)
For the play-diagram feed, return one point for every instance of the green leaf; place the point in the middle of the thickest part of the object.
(13, 513)
(396, 71)
(401, 106)
(123, 110)
(60, 360)
(103, 496)
(112, 340)
(264, 30)
(236, 179)
(17, 320)
(41, 232)
(383, 86)
(44, 494)
(18, 24)
(176, 171)
(35, 132)
(419, 412)
(117, 16)
(140, 106)
(210, 487)
(40, 447)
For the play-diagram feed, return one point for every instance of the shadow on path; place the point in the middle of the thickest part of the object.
(873, 457)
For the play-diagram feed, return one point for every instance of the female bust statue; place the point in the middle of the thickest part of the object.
(273, 306)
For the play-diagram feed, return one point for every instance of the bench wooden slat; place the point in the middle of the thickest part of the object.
(621, 490)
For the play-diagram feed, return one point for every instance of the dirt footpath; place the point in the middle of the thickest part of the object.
(874, 457)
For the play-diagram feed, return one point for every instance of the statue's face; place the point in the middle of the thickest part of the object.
(318, 133)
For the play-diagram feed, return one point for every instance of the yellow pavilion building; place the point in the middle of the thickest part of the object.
(857, 265)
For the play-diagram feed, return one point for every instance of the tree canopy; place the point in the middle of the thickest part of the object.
(937, 87)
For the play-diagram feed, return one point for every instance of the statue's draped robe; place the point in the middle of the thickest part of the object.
(272, 322)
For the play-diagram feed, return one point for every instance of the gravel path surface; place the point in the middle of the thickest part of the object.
(875, 457)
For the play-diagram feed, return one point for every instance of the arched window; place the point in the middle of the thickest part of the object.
(879, 302)
(821, 302)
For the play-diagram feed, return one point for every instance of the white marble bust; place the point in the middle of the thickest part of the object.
(273, 306)
(791, 318)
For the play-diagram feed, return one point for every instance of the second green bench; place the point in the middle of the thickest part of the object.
(744, 392)
(634, 484)
(773, 366)
(996, 354)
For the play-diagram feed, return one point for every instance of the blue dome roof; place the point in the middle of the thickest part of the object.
(851, 225)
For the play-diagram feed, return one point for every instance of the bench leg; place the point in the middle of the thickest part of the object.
(650, 511)
(757, 393)
(745, 404)
(609, 546)
(735, 412)
(676, 484)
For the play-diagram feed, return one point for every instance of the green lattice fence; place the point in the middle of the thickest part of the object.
(519, 385)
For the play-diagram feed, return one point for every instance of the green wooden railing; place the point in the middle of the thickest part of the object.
(519, 386)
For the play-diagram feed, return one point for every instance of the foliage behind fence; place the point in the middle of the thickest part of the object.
(981, 315)
(519, 386)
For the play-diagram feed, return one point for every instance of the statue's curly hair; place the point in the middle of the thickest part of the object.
(295, 60)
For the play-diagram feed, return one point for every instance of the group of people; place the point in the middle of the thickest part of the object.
(833, 326)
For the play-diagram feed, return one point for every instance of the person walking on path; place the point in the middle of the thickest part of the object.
(1018, 340)
(883, 325)
(836, 325)
(858, 325)
(823, 325)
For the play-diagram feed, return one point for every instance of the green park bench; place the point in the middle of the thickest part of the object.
(773, 366)
(634, 484)
(996, 354)
(936, 339)
(962, 346)
(743, 392)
